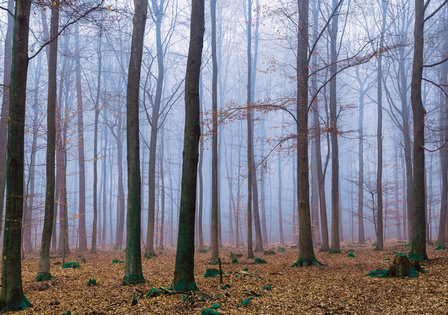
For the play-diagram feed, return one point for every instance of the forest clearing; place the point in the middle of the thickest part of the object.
(338, 287)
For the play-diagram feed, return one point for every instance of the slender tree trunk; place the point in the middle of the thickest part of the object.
(162, 192)
(379, 175)
(158, 10)
(81, 164)
(361, 235)
(306, 251)
(215, 201)
(95, 146)
(5, 107)
(335, 241)
(280, 210)
(133, 269)
(12, 297)
(28, 215)
(184, 266)
(418, 240)
(44, 263)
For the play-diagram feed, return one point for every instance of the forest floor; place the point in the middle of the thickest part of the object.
(337, 287)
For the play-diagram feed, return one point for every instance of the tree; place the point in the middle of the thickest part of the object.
(81, 163)
(306, 252)
(379, 178)
(12, 297)
(335, 242)
(95, 144)
(133, 268)
(443, 121)
(158, 13)
(5, 106)
(44, 264)
(184, 266)
(418, 235)
(215, 189)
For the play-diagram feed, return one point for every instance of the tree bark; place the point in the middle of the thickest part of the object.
(215, 201)
(418, 240)
(44, 264)
(95, 145)
(12, 297)
(81, 163)
(379, 175)
(5, 107)
(184, 265)
(335, 241)
(133, 269)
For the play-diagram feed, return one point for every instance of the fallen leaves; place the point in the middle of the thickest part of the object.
(337, 287)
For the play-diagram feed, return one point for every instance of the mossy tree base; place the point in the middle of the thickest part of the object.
(306, 262)
(18, 306)
(44, 276)
(133, 279)
(185, 286)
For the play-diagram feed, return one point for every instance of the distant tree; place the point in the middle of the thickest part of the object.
(12, 297)
(215, 189)
(184, 266)
(44, 264)
(133, 268)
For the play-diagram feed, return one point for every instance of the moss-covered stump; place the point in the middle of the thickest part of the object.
(269, 252)
(403, 267)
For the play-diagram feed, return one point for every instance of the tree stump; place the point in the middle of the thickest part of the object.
(403, 267)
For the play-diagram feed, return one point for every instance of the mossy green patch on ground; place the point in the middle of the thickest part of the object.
(246, 301)
(91, 282)
(72, 265)
(351, 255)
(209, 311)
(377, 273)
(334, 251)
(260, 261)
(225, 287)
(215, 306)
(281, 249)
(117, 261)
(440, 247)
(235, 260)
(267, 288)
(211, 273)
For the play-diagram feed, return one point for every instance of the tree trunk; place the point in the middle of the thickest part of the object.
(361, 235)
(379, 175)
(44, 264)
(443, 123)
(12, 297)
(215, 201)
(418, 240)
(306, 252)
(81, 163)
(5, 107)
(159, 13)
(335, 242)
(184, 266)
(133, 268)
(95, 146)
(280, 212)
